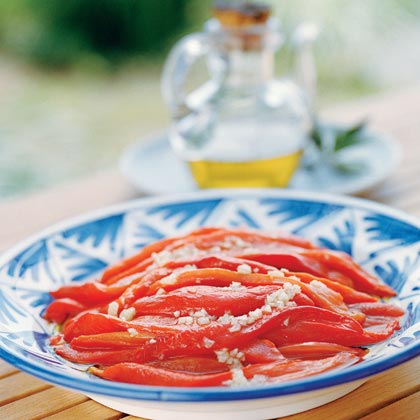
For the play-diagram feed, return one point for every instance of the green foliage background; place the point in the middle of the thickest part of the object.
(62, 32)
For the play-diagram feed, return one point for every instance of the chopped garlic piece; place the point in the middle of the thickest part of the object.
(132, 331)
(160, 291)
(186, 320)
(235, 285)
(232, 358)
(182, 253)
(203, 321)
(244, 269)
(282, 298)
(238, 379)
(208, 343)
(170, 279)
(128, 314)
(113, 309)
(276, 273)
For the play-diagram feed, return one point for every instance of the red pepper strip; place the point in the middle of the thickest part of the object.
(342, 262)
(204, 238)
(303, 300)
(101, 357)
(92, 293)
(139, 269)
(111, 340)
(378, 308)
(59, 310)
(136, 259)
(296, 262)
(378, 323)
(171, 338)
(221, 261)
(232, 264)
(317, 350)
(196, 365)
(136, 373)
(261, 351)
(328, 299)
(215, 300)
(142, 259)
(135, 291)
(289, 326)
(146, 264)
(349, 294)
(146, 352)
(207, 276)
(327, 326)
(92, 323)
(295, 369)
(378, 315)
(96, 323)
(336, 302)
(174, 339)
(139, 289)
(276, 371)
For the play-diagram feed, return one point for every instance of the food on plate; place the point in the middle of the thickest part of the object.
(223, 307)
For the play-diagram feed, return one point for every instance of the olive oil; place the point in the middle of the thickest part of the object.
(273, 172)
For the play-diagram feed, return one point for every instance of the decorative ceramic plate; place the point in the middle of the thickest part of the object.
(377, 157)
(383, 241)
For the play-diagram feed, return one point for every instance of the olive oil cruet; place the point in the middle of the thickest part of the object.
(243, 127)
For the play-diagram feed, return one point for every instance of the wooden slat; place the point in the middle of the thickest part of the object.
(19, 385)
(53, 205)
(379, 391)
(41, 404)
(406, 409)
(6, 369)
(393, 191)
(90, 410)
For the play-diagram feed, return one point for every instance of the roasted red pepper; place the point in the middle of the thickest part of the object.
(222, 306)
(278, 371)
(204, 239)
(89, 293)
(216, 301)
(218, 277)
(59, 310)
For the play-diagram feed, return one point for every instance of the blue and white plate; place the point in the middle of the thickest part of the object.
(385, 242)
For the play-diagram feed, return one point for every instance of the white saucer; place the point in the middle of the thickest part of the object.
(152, 167)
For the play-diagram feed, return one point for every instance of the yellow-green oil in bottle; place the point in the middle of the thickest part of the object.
(273, 172)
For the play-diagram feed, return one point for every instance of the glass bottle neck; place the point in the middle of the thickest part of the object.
(245, 56)
(247, 69)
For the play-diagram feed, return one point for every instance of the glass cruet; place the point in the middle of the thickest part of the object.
(243, 127)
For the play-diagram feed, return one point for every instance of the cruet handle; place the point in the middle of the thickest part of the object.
(304, 37)
(175, 73)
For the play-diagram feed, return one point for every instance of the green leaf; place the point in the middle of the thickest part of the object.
(349, 137)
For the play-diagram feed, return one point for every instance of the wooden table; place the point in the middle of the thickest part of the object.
(390, 395)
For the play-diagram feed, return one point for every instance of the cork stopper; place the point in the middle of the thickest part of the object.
(241, 14)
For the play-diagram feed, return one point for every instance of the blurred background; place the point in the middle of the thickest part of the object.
(80, 79)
